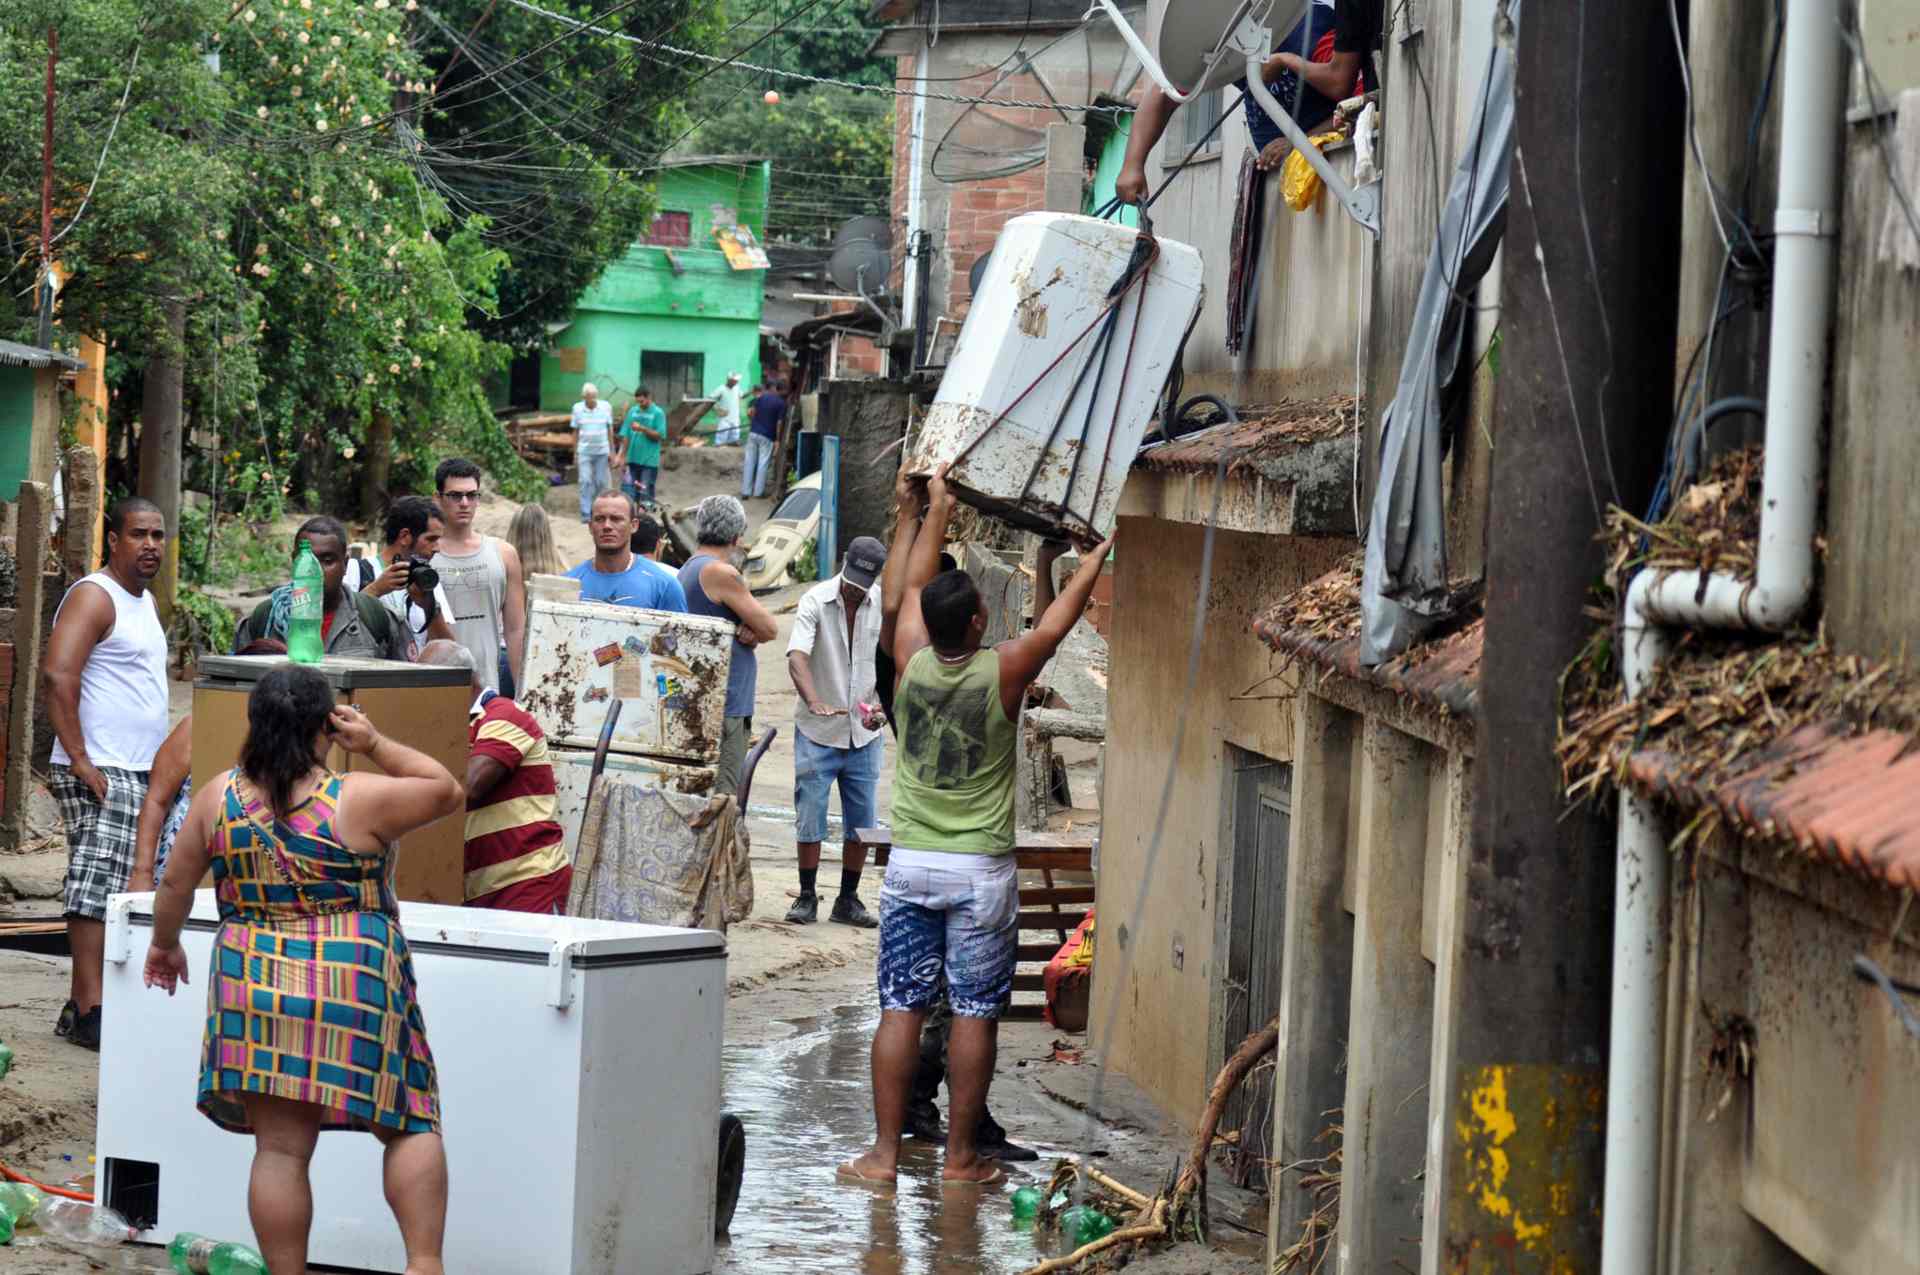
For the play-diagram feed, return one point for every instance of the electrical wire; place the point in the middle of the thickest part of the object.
(801, 76)
(1871, 83)
(132, 67)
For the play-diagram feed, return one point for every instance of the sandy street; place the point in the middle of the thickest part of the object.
(801, 1012)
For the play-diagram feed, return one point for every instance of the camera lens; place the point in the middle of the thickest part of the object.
(420, 572)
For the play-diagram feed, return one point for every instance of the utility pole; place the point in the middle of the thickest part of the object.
(160, 429)
(46, 197)
(1588, 289)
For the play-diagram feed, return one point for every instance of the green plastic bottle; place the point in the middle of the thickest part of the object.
(1026, 1203)
(308, 609)
(20, 1201)
(1083, 1224)
(191, 1254)
(6, 1060)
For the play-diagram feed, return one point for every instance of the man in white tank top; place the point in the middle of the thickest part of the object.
(482, 580)
(106, 689)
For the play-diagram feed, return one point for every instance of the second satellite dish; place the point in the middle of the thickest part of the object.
(862, 257)
(1189, 46)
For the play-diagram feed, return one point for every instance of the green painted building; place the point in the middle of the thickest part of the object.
(673, 314)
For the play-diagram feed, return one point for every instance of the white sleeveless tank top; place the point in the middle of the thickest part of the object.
(123, 686)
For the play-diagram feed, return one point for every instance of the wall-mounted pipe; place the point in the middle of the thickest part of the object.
(1805, 224)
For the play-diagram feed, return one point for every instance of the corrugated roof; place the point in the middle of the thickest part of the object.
(15, 354)
(1850, 798)
(1262, 441)
(1443, 674)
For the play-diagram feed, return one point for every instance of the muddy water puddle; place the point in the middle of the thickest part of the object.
(807, 1104)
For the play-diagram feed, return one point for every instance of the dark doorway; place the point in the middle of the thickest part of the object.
(672, 376)
(1253, 909)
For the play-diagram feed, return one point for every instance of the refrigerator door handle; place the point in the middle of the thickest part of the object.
(560, 975)
(119, 930)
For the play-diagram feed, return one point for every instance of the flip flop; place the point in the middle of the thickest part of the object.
(853, 1177)
(998, 1176)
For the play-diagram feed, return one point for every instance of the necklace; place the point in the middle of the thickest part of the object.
(953, 659)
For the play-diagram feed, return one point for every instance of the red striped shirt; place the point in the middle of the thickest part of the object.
(516, 852)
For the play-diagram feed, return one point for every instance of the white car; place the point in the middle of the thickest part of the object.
(775, 550)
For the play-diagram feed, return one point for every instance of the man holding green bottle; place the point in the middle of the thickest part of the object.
(351, 623)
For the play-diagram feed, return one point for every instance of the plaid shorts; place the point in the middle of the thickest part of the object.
(100, 835)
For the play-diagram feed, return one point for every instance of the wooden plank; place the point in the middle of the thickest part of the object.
(1054, 858)
(1029, 982)
(1025, 1013)
(1043, 897)
(1041, 952)
(30, 557)
(1049, 920)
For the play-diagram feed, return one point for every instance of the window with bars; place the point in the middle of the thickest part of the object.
(1196, 117)
(671, 229)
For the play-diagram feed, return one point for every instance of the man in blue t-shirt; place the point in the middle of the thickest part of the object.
(616, 574)
(767, 411)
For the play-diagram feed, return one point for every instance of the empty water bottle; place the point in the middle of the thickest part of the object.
(78, 1222)
(6, 1059)
(191, 1254)
(1083, 1224)
(1026, 1203)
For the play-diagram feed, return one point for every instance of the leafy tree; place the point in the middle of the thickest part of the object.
(548, 133)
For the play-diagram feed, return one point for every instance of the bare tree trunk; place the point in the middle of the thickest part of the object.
(376, 468)
(160, 433)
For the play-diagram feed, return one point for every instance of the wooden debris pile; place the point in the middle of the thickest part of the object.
(1720, 699)
(1319, 1177)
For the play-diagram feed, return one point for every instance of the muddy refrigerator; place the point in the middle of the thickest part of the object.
(579, 1076)
(666, 671)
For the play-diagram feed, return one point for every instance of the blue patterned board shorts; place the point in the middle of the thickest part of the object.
(960, 923)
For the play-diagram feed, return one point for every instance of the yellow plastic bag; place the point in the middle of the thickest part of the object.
(1299, 184)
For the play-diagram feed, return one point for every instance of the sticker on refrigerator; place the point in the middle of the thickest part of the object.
(607, 654)
(630, 677)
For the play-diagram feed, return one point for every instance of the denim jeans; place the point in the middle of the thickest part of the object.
(641, 480)
(593, 481)
(755, 463)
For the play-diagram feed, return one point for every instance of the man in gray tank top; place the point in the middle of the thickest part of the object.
(481, 577)
(714, 586)
(106, 688)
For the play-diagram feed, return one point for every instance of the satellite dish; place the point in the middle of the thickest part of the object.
(1190, 49)
(979, 270)
(1073, 69)
(875, 229)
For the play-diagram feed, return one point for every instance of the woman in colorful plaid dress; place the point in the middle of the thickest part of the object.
(312, 1018)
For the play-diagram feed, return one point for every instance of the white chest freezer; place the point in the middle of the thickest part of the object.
(1039, 422)
(669, 671)
(579, 1068)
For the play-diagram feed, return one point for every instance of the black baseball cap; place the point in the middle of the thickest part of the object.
(865, 557)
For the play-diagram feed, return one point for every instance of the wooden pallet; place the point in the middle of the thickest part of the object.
(1047, 914)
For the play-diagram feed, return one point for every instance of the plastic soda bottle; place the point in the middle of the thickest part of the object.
(1083, 1224)
(6, 1059)
(191, 1254)
(19, 1202)
(1026, 1203)
(308, 609)
(78, 1222)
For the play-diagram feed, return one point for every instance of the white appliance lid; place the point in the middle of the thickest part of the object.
(436, 926)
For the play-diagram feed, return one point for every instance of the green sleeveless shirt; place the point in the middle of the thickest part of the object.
(953, 780)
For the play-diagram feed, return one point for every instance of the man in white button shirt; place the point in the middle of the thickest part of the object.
(726, 411)
(592, 441)
(837, 725)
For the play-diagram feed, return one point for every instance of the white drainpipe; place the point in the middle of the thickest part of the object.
(1811, 145)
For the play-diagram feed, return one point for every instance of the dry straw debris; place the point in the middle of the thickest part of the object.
(1719, 700)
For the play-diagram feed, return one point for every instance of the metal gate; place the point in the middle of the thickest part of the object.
(1255, 918)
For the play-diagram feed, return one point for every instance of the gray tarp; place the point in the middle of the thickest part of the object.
(1403, 587)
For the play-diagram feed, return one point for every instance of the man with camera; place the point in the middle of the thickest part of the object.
(409, 588)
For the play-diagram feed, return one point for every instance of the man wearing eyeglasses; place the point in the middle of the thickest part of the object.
(481, 577)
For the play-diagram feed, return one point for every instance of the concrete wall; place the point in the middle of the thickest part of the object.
(615, 342)
(1873, 508)
(1161, 1001)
